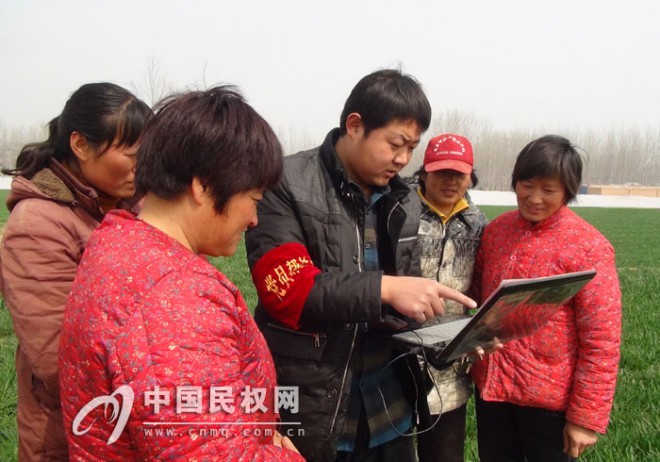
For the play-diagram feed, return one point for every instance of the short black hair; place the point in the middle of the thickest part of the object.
(550, 156)
(212, 135)
(386, 96)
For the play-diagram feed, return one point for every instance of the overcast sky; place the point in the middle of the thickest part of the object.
(519, 63)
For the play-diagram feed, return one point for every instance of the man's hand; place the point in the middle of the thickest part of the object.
(577, 439)
(419, 298)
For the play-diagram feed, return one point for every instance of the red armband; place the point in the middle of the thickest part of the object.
(283, 278)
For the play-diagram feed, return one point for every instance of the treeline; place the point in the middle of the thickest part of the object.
(615, 156)
(13, 139)
(620, 156)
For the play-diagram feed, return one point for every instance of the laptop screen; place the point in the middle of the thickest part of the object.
(517, 308)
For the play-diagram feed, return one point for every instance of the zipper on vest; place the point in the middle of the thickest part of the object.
(359, 246)
(443, 242)
(355, 330)
(389, 217)
(343, 379)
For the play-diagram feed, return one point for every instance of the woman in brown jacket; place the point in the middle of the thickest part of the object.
(61, 190)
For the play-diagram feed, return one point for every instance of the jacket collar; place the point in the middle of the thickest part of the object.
(57, 183)
(470, 216)
(335, 168)
(549, 223)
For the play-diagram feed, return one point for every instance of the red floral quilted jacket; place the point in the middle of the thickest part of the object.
(146, 313)
(571, 363)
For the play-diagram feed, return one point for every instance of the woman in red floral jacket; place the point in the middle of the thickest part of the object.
(547, 396)
(160, 357)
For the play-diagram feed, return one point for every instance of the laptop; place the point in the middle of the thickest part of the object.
(517, 308)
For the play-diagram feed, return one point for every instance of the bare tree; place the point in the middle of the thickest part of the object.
(12, 141)
(616, 156)
(155, 85)
(293, 140)
(449, 121)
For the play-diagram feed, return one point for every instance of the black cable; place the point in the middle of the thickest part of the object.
(417, 388)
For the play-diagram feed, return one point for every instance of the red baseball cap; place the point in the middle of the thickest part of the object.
(449, 152)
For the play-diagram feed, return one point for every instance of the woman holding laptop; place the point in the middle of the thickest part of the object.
(546, 397)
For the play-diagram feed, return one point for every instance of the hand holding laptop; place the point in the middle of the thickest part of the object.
(480, 352)
(419, 298)
(517, 308)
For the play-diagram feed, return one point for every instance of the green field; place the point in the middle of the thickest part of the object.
(634, 434)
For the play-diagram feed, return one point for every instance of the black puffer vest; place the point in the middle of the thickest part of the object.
(329, 222)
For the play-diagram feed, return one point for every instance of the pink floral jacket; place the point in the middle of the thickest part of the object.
(570, 364)
(148, 318)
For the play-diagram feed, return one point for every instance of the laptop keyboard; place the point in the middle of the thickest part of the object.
(444, 332)
(437, 333)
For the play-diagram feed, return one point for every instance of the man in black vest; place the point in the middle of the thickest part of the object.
(334, 259)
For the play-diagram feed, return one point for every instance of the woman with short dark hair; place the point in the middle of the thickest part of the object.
(548, 395)
(61, 191)
(162, 326)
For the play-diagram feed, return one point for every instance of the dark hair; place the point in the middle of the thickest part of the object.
(385, 96)
(212, 135)
(417, 178)
(101, 112)
(550, 156)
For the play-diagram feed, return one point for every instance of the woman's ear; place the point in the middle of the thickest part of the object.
(80, 147)
(198, 191)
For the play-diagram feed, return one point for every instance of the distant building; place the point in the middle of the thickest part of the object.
(624, 190)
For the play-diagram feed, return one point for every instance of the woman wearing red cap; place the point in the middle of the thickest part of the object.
(449, 234)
